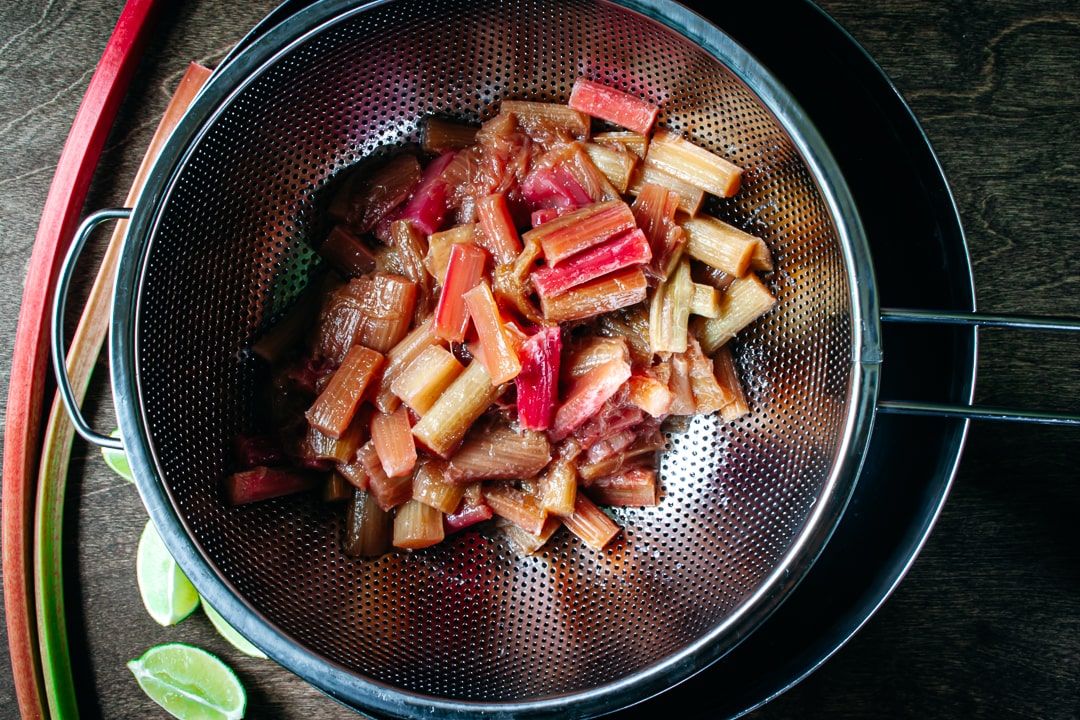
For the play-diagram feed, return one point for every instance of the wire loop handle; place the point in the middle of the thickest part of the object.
(59, 350)
(1005, 320)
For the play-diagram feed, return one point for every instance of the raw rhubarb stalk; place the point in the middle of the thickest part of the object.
(581, 229)
(264, 483)
(464, 271)
(630, 487)
(669, 311)
(500, 236)
(391, 434)
(336, 405)
(426, 378)
(347, 253)
(746, 299)
(438, 135)
(427, 208)
(431, 488)
(590, 524)
(537, 384)
(677, 156)
(520, 508)
(417, 526)
(613, 105)
(498, 354)
(587, 395)
(368, 527)
(620, 289)
(440, 244)
(442, 428)
(501, 452)
(626, 250)
(722, 246)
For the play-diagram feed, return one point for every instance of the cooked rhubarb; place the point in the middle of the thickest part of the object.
(626, 250)
(263, 483)
(333, 410)
(620, 289)
(464, 271)
(537, 384)
(581, 229)
(509, 327)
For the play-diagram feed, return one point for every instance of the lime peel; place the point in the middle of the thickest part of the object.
(230, 633)
(190, 683)
(167, 594)
(117, 460)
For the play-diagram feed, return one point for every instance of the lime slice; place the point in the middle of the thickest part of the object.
(117, 460)
(166, 592)
(227, 631)
(190, 683)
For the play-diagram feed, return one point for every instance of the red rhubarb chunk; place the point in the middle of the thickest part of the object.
(263, 483)
(587, 396)
(537, 383)
(615, 106)
(631, 248)
(427, 208)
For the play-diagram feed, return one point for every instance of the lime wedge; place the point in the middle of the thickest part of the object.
(166, 592)
(227, 631)
(190, 683)
(117, 460)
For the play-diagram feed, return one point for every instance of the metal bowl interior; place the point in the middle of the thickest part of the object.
(220, 245)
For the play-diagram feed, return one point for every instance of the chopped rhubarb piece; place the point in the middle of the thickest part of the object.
(590, 524)
(440, 244)
(722, 246)
(728, 378)
(438, 135)
(527, 542)
(581, 229)
(654, 209)
(368, 527)
(392, 437)
(617, 165)
(442, 428)
(558, 483)
(498, 354)
(431, 488)
(517, 506)
(263, 483)
(427, 208)
(543, 215)
(551, 119)
(649, 394)
(746, 299)
(336, 489)
(620, 289)
(669, 311)
(501, 452)
(347, 252)
(388, 491)
(464, 271)
(630, 487)
(500, 236)
(587, 395)
(335, 406)
(538, 382)
(426, 377)
(675, 155)
(370, 194)
(472, 510)
(417, 526)
(398, 359)
(546, 187)
(631, 248)
(615, 106)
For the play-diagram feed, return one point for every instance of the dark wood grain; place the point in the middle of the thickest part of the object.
(987, 622)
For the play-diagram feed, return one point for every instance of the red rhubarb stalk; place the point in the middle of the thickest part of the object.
(615, 106)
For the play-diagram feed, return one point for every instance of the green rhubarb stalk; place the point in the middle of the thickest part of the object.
(59, 435)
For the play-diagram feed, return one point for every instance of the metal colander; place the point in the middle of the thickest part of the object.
(219, 247)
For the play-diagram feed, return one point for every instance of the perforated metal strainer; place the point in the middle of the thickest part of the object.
(218, 248)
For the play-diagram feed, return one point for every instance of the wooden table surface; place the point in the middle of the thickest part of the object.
(987, 622)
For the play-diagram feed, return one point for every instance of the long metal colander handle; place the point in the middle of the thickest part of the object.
(1022, 322)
